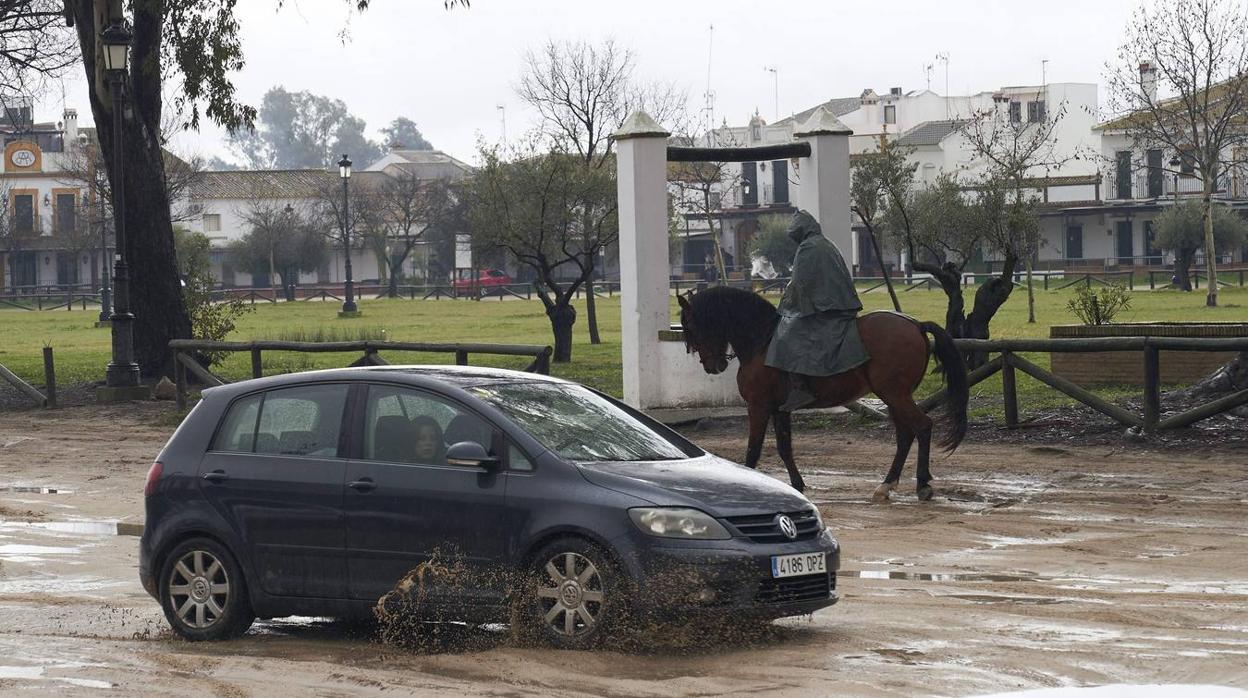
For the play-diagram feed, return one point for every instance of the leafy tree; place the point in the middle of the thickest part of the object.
(211, 319)
(403, 134)
(550, 214)
(302, 130)
(1181, 229)
(772, 243)
(282, 241)
(881, 181)
(1195, 104)
(582, 93)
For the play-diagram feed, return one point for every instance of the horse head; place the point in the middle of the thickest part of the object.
(710, 346)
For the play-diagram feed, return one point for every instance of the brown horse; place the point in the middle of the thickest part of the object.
(726, 319)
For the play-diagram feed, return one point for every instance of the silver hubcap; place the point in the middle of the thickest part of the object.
(199, 589)
(570, 594)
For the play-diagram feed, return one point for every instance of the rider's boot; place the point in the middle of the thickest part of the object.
(800, 394)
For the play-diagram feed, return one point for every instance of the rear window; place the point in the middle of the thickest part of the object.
(301, 421)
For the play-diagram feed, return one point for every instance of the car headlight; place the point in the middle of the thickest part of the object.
(678, 523)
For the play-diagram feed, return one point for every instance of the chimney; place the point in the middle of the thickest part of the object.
(71, 126)
(1148, 82)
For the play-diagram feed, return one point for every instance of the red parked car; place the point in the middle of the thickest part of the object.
(486, 279)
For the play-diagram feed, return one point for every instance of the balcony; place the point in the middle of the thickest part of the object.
(1140, 188)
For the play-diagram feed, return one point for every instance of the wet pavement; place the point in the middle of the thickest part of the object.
(1028, 571)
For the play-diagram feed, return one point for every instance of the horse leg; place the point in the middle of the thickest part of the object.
(758, 432)
(784, 444)
(905, 438)
(924, 473)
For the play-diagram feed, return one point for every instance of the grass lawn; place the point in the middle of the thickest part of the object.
(82, 350)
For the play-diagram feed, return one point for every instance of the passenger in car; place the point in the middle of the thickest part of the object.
(429, 446)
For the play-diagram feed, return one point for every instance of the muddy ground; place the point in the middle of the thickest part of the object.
(1037, 565)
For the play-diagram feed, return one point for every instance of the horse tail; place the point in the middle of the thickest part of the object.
(949, 362)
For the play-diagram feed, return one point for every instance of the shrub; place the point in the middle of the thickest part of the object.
(210, 320)
(1100, 306)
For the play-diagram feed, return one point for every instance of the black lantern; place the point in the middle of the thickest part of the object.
(116, 40)
(349, 307)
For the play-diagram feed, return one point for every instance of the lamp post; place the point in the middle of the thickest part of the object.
(106, 293)
(344, 171)
(122, 371)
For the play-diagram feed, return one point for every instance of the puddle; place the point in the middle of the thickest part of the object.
(86, 528)
(35, 490)
(32, 673)
(994, 598)
(935, 577)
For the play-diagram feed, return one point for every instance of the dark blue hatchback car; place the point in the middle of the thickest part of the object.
(314, 493)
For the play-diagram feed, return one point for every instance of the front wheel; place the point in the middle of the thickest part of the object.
(575, 596)
(203, 593)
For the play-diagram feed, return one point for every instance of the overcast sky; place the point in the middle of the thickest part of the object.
(448, 70)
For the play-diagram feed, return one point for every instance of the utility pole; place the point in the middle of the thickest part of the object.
(775, 84)
(502, 110)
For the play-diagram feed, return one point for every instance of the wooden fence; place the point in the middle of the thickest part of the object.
(1007, 361)
(184, 360)
(30, 391)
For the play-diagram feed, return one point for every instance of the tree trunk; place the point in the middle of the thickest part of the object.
(879, 258)
(1031, 296)
(950, 279)
(392, 284)
(591, 310)
(1211, 264)
(988, 300)
(1229, 378)
(562, 317)
(155, 287)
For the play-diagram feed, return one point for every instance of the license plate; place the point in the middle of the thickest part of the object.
(799, 564)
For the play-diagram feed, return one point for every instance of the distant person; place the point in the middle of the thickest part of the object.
(818, 330)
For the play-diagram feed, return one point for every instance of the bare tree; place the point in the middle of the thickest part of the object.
(282, 237)
(406, 207)
(1181, 83)
(583, 92)
(700, 188)
(1007, 153)
(35, 45)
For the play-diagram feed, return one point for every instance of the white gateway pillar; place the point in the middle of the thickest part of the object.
(824, 191)
(641, 154)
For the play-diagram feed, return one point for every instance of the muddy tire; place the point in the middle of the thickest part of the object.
(203, 593)
(574, 596)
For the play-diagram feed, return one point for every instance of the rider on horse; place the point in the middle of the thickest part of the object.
(817, 334)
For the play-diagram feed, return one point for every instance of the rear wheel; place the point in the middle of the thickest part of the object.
(203, 592)
(575, 596)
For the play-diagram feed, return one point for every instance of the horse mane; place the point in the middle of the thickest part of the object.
(743, 318)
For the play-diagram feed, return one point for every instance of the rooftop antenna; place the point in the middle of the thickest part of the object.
(775, 84)
(709, 95)
(944, 58)
(927, 71)
(1044, 71)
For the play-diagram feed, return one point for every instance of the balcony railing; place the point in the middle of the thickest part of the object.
(1139, 187)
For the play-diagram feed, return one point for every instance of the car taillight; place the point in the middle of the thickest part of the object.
(153, 475)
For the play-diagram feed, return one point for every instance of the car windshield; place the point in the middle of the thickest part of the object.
(577, 424)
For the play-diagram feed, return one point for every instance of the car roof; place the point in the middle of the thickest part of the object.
(416, 375)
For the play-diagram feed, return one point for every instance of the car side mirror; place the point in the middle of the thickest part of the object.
(471, 454)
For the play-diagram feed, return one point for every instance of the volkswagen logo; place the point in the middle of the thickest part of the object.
(787, 527)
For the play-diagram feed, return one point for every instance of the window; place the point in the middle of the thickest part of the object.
(402, 425)
(1187, 164)
(578, 424)
(303, 421)
(66, 216)
(749, 183)
(516, 460)
(756, 132)
(1035, 112)
(1122, 174)
(24, 212)
(1016, 112)
(238, 431)
(1155, 174)
(890, 114)
(212, 222)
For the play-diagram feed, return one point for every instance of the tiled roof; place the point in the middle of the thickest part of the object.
(929, 132)
(268, 184)
(839, 107)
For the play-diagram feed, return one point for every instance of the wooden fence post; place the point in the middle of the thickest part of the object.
(1152, 389)
(179, 378)
(1009, 389)
(461, 357)
(49, 377)
(257, 364)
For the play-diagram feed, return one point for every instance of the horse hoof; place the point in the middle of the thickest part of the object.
(925, 493)
(881, 494)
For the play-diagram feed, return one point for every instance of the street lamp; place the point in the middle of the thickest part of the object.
(106, 300)
(122, 371)
(344, 171)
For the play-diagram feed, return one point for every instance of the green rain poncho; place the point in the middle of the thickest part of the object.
(818, 331)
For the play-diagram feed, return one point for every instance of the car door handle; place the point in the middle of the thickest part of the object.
(216, 476)
(364, 484)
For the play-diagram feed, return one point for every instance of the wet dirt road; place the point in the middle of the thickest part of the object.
(1036, 566)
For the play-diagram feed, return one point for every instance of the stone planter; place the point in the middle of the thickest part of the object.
(1127, 367)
